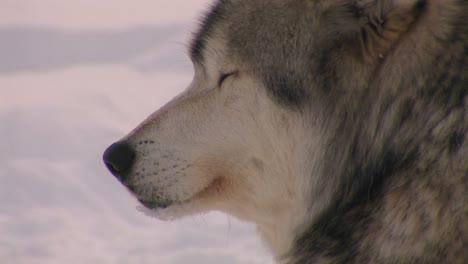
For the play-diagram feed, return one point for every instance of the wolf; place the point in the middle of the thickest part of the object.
(338, 127)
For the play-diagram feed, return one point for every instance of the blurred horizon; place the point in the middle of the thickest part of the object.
(145, 48)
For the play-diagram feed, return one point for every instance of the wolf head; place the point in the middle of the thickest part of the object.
(284, 115)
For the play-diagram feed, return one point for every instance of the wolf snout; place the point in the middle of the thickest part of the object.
(119, 158)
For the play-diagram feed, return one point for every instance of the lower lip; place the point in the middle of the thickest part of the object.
(153, 205)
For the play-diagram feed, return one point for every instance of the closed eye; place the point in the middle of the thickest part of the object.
(224, 76)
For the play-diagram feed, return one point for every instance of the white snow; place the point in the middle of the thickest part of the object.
(74, 77)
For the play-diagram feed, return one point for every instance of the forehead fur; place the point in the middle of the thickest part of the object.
(263, 38)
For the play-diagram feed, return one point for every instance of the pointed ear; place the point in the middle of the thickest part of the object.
(373, 27)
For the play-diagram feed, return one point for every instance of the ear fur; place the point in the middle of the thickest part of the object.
(375, 26)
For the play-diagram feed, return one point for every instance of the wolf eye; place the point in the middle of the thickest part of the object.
(224, 76)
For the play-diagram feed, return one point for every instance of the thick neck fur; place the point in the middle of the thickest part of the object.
(280, 231)
(399, 158)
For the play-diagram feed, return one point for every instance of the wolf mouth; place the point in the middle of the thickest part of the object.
(154, 204)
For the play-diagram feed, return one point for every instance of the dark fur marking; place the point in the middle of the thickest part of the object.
(372, 175)
(455, 142)
(450, 89)
(326, 72)
(334, 234)
(354, 10)
(286, 89)
(406, 110)
(207, 25)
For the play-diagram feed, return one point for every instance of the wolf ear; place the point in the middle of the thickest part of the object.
(375, 26)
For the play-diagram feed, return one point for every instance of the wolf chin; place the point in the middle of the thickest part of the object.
(338, 127)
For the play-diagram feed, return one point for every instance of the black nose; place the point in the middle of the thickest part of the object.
(119, 158)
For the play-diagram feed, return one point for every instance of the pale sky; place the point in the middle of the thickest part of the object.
(98, 14)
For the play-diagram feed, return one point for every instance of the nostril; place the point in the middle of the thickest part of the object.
(118, 157)
(111, 167)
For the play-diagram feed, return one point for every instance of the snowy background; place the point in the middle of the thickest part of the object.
(74, 77)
